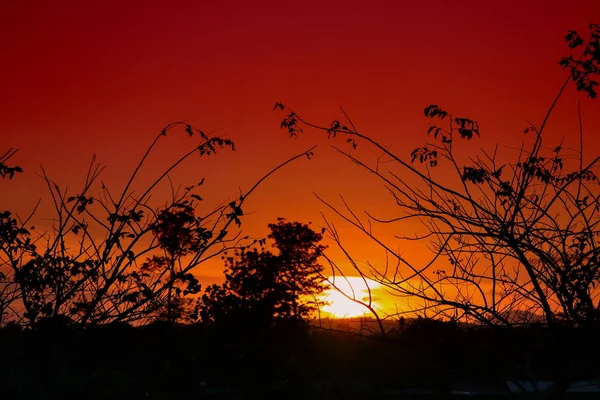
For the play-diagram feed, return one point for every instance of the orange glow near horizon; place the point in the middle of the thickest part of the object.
(342, 302)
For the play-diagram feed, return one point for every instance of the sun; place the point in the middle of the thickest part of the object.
(355, 287)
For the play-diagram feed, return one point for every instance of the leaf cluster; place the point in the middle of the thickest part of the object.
(585, 68)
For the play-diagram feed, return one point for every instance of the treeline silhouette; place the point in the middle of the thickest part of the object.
(164, 361)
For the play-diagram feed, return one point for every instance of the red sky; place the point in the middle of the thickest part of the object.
(87, 77)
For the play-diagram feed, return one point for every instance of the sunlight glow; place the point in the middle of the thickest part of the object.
(341, 306)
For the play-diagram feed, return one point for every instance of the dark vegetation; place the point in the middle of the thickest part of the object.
(116, 257)
(264, 290)
(512, 232)
(157, 361)
(106, 304)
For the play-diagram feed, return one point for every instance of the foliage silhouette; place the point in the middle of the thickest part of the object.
(586, 68)
(179, 232)
(5, 169)
(7, 227)
(508, 237)
(263, 289)
(114, 257)
(514, 242)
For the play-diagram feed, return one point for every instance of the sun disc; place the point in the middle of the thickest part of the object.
(345, 301)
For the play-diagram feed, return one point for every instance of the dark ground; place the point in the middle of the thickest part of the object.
(157, 362)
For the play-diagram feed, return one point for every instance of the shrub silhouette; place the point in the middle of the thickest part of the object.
(263, 289)
(113, 257)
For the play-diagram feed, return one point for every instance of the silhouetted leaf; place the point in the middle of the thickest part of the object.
(573, 39)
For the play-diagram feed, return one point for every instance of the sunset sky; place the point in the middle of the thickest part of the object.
(80, 78)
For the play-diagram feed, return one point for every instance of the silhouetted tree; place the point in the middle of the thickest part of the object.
(262, 288)
(508, 237)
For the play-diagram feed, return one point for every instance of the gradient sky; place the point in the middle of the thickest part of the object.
(80, 78)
